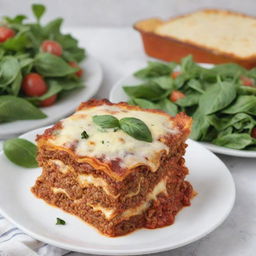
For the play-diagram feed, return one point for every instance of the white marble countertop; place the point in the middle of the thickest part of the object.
(120, 52)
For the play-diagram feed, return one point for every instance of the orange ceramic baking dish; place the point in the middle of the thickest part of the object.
(226, 36)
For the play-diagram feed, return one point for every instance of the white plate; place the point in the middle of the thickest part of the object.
(117, 94)
(208, 174)
(64, 106)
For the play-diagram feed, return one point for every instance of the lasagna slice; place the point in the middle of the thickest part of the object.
(110, 179)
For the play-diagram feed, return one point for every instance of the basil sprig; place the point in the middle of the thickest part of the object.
(21, 152)
(130, 125)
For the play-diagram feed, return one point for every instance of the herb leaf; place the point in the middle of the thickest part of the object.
(106, 121)
(60, 221)
(21, 152)
(38, 11)
(15, 108)
(136, 129)
(84, 135)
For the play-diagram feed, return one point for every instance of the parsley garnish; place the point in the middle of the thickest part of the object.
(60, 222)
(84, 135)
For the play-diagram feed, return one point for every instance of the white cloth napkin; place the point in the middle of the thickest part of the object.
(14, 242)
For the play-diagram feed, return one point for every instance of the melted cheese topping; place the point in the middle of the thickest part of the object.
(111, 145)
(225, 32)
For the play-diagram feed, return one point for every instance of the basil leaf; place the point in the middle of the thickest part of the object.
(217, 97)
(60, 221)
(38, 11)
(21, 152)
(106, 121)
(150, 91)
(234, 140)
(136, 129)
(15, 108)
(50, 65)
(246, 104)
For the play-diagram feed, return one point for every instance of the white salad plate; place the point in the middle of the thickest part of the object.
(117, 94)
(208, 174)
(64, 106)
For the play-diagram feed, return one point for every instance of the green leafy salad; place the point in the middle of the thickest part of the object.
(38, 64)
(221, 100)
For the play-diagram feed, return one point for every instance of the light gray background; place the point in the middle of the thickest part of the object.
(119, 12)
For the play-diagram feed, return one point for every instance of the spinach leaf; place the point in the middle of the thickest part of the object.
(21, 152)
(154, 69)
(50, 65)
(246, 104)
(106, 121)
(196, 85)
(217, 97)
(247, 90)
(52, 28)
(66, 84)
(150, 91)
(9, 69)
(145, 103)
(18, 19)
(15, 86)
(17, 43)
(189, 100)
(234, 140)
(15, 108)
(200, 126)
(38, 11)
(169, 107)
(136, 129)
(165, 82)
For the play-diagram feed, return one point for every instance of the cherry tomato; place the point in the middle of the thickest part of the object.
(176, 95)
(6, 33)
(48, 102)
(51, 47)
(247, 81)
(175, 74)
(33, 85)
(73, 64)
(253, 134)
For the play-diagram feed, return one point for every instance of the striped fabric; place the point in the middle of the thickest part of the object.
(14, 242)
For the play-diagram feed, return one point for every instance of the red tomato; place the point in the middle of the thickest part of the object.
(33, 85)
(175, 74)
(48, 102)
(6, 33)
(253, 134)
(51, 47)
(73, 64)
(247, 81)
(176, 95)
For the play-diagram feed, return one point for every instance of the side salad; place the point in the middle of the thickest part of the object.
(221, 99)
(38, 64)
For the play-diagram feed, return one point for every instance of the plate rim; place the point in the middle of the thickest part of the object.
(95, 251)
(44, 122)
(212, 147)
